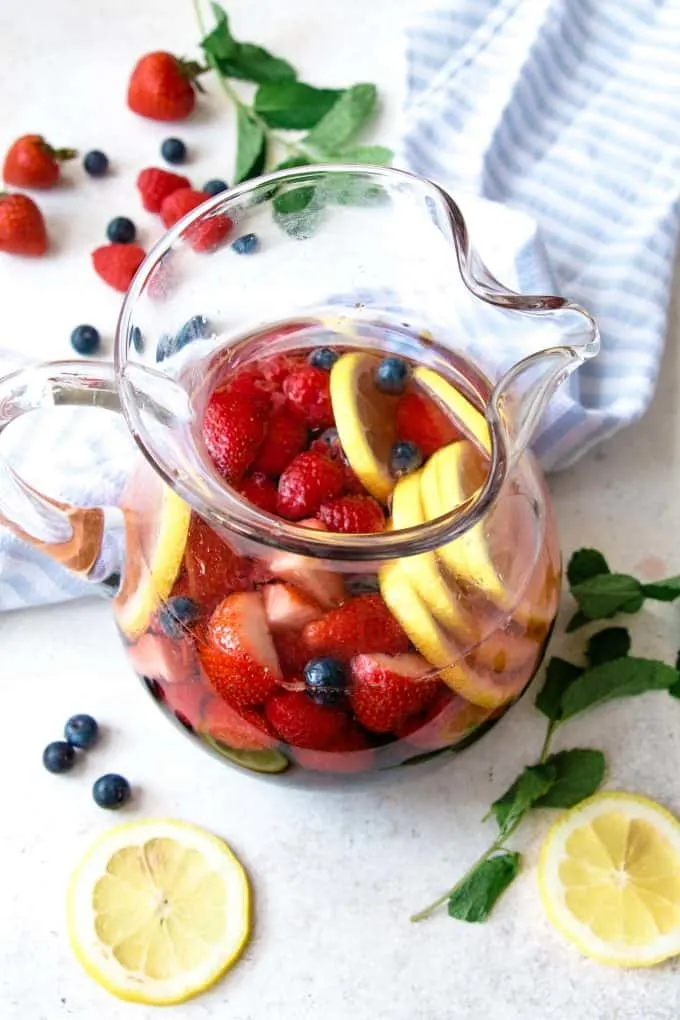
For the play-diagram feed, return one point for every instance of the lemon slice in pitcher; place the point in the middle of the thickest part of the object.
(464, 413)
(158, 910)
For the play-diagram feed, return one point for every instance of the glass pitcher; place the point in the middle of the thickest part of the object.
(292, 634)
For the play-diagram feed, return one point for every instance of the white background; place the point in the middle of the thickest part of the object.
(335, 874)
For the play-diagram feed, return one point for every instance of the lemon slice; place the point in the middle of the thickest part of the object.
(158, 910)
(609, 875)
(466, 414)
(152, 562)
(365, 420)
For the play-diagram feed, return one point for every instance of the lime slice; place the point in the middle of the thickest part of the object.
(365, 420)
(266, 760)
(609, 876)
(466, 416)
(158, 910)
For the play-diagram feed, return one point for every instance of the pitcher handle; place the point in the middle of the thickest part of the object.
(72, 536)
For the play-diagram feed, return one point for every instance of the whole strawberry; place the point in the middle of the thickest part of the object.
(162, 86)
(286, 438)
(22, 227)
(117, 264)
(233, 428)
(301, 722)
(155, 185)
(387, 689)
(363, 624)
(308, 390)
(307, 482)
(354, 514)
(32, 163)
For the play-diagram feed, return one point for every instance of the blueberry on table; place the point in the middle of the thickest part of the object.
(111, 791)
(137, 339)
(392, 375)
(323, 357)
(81, 731)
(405, 458)
(173, 150)
(325, 680)
(195, 328)
(85, 339)
(246, 245)
(96, 163)
(215, 186)
(121, 230)
(59, 757)
(177, 614)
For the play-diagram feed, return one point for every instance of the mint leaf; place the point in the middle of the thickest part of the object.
(291, 161)
(667, 590)
(559, 675)
(578, 774)
(376, 155)
(343, 121)
(578, 620)
(610, 643)
(294, 105)
(674, 691)
(621, 678)
(298, 211)
(242, 60)
(475, 897)
(584, 564)
(343, 189)
(607, 594)
(250, 147)
(534, 782)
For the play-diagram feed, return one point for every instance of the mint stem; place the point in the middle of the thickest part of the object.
(552, 726)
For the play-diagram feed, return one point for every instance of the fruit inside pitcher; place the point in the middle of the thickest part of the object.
(280, 661)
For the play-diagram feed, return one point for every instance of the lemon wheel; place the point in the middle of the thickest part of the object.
(466, 415)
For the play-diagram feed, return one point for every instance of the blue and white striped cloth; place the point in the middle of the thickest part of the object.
(568, 110)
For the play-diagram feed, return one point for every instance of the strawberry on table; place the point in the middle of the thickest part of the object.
(162, 86)
(32, 163)
(352, 514)
(387, 689)
(306, 483)
(155, 185)
(117, 264)
(245, 729)
(286, 437)
(234, 426)
(302, 723)
(421, 421)
(363, 624)
(22, 227)
(308, 390)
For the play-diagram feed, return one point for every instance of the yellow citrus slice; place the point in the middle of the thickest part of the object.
(158, 910)
(465, 414)
(365, 420)
(609, 875)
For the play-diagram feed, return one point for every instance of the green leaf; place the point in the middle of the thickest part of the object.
(294, 200)
(532, 783)
(667, 590)
(294, 105)
(559, 675)
(292, 161)
(250, 147)
(621, 678)
(584, 564)
(242, 60)
(579, 773)
(298, 211)
(578, 620)
(475, 897)
(674, 691)
(343, 121)
(345, 189)
(607, 594)
(376, 155)
(610, 643)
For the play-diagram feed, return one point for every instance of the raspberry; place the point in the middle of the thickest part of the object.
(308, 389)
(352, 514)
(307, 482)
(179, 203)
(155, 185)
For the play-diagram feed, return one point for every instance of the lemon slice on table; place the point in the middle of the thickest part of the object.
(158, 910)
(609, 875)
(366, 421)
(465, 414)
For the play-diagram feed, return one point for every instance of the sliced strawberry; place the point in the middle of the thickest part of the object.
(293, 653)
(350, 752)
(286, 437)
(306, 483)
(233, 429)
(288, 607)
(387, 689)
(421, 421)
(239, 658)
(162, 658)
(446, 720)
(213, 569)
(186, 702)
(302, 723)
(363, 624)
(246, 729)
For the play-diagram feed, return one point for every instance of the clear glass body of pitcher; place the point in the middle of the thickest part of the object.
(434, 625)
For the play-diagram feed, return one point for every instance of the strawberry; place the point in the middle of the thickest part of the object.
(292, 651)
(445, 721)
(286, 437)
(208, 234)
(350, 752)
(307, 482)
(302, 723)
(260, 491)
(363, 624)
(308, 390)
(423, 422)
(186, 702)
(246, 729)
(162, 87)
(179, 203)
(233, 429)
(213, 569)
(387, 689)
(276, 369)
(288, 607)
(160, 658)
(117, 264)
(239, 658)
(249, 382)
(155, 185)
(22, 227)
(352, 514)
(32, 163)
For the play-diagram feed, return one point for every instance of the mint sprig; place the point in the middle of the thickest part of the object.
(601, 594)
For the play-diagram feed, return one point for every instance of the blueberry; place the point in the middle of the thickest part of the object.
(81, 731)
(405, 458)
(154, 688)
(173, 150)
(177, 614)
(195, 328)
(165, 347)
(59, 756)
(215, 186)
(85, 339)
(326, 680)
(392, 375)
(323, 357)
(121, 230)
(246, 245)
(111, 791)
(137, 339)
(330, 436)
(96, 163)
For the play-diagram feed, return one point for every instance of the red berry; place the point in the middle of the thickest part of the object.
(421, 421)
(292, 651)
(278, 367)
(308, 389)
(301, 722)
(233, 428)
(286, 438)
(307, 482)
(186, 701)
(155, 185)
(352, 514)
(239, 657)
(350, 752)
(445, 720)
(208, 234)
(22, 227)
(179, 203)
(245, 729)
(117, 264)
(213, 569)
(259, 490)
(364, 624)
(161, 87)
(387, 689)
(32, 163)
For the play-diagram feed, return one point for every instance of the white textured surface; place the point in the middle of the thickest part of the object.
(335, 874)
